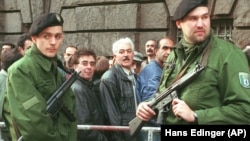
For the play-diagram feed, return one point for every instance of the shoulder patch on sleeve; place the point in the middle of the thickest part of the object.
(244, 79)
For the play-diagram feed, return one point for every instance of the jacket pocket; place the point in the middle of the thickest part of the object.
(126, 101)
(46, 88)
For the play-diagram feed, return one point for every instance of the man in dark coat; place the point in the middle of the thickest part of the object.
(88, 107)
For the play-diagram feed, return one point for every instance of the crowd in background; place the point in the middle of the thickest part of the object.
(147, 72)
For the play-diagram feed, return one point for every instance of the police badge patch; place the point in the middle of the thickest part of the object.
(244, 79)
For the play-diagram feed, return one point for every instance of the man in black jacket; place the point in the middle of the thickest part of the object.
(117, 89)
(88, 107)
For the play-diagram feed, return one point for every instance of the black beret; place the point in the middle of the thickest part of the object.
(187, 6)
(44, 21)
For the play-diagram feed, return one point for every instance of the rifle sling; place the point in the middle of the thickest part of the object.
(203, 61)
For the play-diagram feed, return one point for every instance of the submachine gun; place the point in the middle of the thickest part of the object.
(162, 101)
(55, 104)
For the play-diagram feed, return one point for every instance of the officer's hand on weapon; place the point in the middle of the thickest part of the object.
(182, 110)
(144, 112)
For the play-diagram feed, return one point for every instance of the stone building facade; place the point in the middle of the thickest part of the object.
(98, 23)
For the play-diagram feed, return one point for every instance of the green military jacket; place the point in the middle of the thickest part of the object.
(221, 93)
(31, 81)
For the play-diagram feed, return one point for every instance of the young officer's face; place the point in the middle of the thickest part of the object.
(196, 25)
(49, 40)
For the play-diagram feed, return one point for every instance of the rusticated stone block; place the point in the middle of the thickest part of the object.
(69, 18)
(153, 16)
(90, 17)
(12, 22)
(56, 5)
(24, 7)
(121, 16)
(223, 7)
(8, 5)
(242, 14)
(101, 43)
(9, 38)
(37, 8)
(240, 37)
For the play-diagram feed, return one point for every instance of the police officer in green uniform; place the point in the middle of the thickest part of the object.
(221, 92)
(32, 80)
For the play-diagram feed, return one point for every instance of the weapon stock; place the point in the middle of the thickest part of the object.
(54, 104)
(164, 98)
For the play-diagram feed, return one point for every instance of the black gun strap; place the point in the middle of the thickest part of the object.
(204, 57)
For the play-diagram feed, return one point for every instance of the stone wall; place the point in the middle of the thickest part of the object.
(98, 23)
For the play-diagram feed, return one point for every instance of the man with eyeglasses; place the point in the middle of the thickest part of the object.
(150, 51)
(31, 82)
(88, 107)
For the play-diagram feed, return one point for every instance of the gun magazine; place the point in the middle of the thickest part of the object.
(68, 113)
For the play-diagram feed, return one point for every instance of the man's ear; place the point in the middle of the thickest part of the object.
(33, 38)
(178, 24)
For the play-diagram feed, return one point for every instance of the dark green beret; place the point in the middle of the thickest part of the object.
(44, 21)
(187, 6)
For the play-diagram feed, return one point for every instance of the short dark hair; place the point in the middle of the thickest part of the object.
(9, 57)
(158, 41)
(81, 52)
(9, 44)
(21, 40)
(102, 64)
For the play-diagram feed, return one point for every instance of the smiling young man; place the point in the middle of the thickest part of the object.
(88, 107)
(31, 82)
(220, 94)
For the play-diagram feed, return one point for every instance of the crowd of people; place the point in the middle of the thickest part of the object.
(113, 91)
